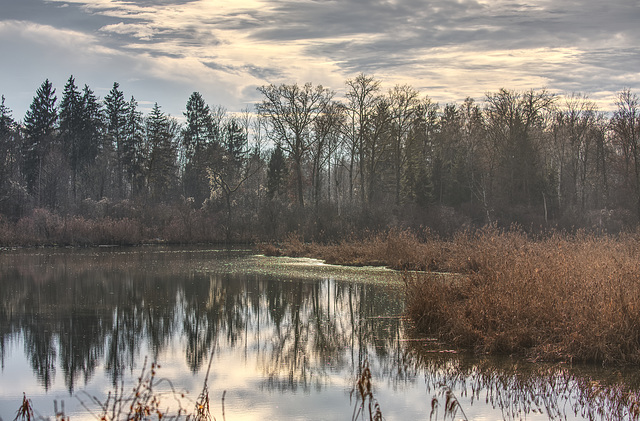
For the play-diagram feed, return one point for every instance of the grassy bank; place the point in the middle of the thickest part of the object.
(556, 297)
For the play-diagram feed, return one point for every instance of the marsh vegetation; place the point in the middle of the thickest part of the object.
(557, 296)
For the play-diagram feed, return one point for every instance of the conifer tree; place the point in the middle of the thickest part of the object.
(80, 127)
(70, 125)
(10, 159)
(40, 135)
(161, 161)
(116, 109)
(133, 152)
(200, 141)
(235, 142)
(277, 173)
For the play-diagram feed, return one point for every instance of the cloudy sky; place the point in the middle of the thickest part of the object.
(163, 50)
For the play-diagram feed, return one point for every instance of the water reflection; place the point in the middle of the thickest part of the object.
(75, 311)
(92, 316)
(518, 389)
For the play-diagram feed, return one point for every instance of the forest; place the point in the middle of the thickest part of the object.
(81, 170)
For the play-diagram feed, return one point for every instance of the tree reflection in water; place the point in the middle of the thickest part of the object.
(77, 311)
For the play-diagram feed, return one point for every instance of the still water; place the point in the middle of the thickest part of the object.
(272, 338)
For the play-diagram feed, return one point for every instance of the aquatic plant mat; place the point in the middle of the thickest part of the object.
(569, 297)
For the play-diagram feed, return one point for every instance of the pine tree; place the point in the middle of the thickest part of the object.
(70, 119)
(199, 129)
(115, 131)
(80, 127)
(40, 132)
(92, 144)
(92, 125)
(9, 162)
(277, 173)
(200, 142)
(161, 162)
(8, 129)
(235, 142)
(133, 152)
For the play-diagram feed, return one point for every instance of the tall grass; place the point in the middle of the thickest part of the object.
(570, 297)
(563, 297)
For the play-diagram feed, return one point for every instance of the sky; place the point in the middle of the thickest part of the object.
(163, 50)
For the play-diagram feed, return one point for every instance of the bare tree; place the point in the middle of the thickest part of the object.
(403, 100)
(574, 124)
(292, 111)
(625, 125)
(362, 99)
(326, 131)
(514, 122)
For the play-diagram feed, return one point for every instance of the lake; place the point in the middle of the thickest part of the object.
(272, 338)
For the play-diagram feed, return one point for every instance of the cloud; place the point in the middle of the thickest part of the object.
(140, 31)
(451, 49)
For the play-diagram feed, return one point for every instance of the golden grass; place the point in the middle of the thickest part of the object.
(572, 297)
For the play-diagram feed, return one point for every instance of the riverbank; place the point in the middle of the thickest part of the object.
(560, 297)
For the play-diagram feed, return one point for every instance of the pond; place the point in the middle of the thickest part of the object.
(272, 338)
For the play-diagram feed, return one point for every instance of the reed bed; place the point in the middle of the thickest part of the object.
(561, 297)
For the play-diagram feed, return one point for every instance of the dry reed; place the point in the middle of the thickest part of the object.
(570, 297)
(562, 297)
(365, 401)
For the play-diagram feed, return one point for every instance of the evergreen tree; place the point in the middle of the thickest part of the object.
(91, 146)
(235, 142)
(80, 128)
(70, 125)
(92, 125)
(133, 153)
(277, 173)
(161, 162)
(199, 140)
(40, 134)
(199, 129)
(116, 110)
(9, 163)
(8, 138)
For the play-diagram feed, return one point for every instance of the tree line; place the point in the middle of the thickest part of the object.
(307, 161)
